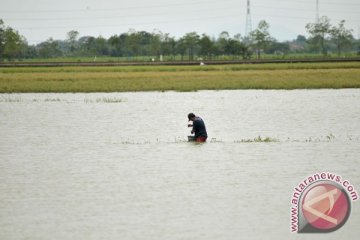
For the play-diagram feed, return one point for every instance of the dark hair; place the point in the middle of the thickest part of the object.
(191, 115)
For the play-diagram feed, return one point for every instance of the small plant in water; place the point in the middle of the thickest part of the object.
(330, 137)
(215, 140)
(52, 100)
(11, 99)
(105, 100)
(177, 140)
(258, 139)
(109, 100)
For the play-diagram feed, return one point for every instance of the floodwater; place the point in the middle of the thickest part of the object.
(117, 165)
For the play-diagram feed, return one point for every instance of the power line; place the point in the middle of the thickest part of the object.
(248, 17)
(342, 3)
(257, 6)
(105, 17)
(155, 6)
(112, 9)
(142, 15)
(130, 24)
(171, 21)
(294, 17)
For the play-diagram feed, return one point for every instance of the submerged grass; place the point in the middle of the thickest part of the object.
(9, 99)
(258, 139)
(52, 100)
(180, 78)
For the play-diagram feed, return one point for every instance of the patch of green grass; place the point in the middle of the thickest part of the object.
(94, 58)
(207, 68)
(180, 78)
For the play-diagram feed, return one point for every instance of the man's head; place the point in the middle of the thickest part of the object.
(191, 116)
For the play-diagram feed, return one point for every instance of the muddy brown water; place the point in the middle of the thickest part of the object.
(118, 165)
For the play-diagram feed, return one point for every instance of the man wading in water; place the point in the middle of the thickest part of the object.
(198, 127)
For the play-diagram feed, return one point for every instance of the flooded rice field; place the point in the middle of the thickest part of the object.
(118, 165)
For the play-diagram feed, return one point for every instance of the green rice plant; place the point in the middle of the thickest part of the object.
(207, 68)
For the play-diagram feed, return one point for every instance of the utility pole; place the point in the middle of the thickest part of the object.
(248, 27)
(317, 11)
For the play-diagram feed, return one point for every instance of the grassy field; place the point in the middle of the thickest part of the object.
(180, 78)
(177, 58)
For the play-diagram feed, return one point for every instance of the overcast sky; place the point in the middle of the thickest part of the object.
(39, 20)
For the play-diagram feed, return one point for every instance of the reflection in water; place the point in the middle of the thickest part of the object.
(118, 165)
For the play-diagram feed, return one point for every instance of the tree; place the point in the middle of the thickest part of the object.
(232, 47)
(2, 38)
(181, 48)
(49, 48)
(144, 39)
(238, 37)
(101, 46)
(222, 41)
(341, 36)
(191, 41)
(155, 43)
(260, 37)
(71, 39)
(86, 46)
(298, 45)
(29, 51)
(115, 45)
(167, 44)
(132, 42)
(207, 47)
(301, 39)
(236, 48)
(319, 32)
(13, 44)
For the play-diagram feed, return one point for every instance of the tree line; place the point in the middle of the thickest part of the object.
(324, 38)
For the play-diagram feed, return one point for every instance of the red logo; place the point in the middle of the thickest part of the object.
(325, 207)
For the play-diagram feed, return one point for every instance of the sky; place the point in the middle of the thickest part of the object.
(38, 20)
